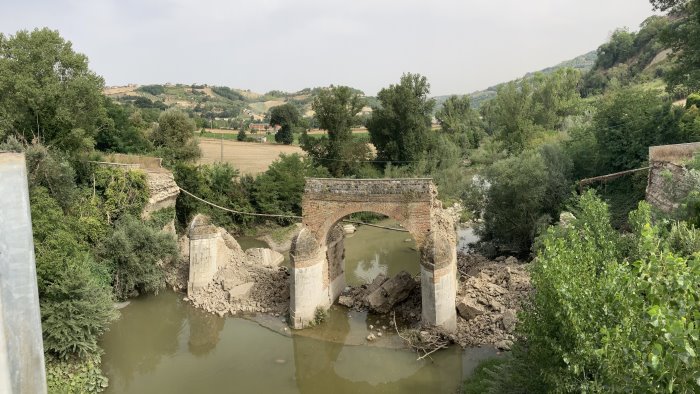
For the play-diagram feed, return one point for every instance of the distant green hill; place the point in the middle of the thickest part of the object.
(583, 63)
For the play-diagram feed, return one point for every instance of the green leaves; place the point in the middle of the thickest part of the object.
(48, 91)
(600, 323)
(132, 252)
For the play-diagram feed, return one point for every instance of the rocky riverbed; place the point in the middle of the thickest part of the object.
(490, 292)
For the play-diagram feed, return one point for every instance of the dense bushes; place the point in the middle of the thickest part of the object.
(74, 293)
(133, 252)
(525, 194)
(611, 313)
(276, 191)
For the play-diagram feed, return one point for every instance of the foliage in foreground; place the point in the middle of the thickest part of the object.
(74, 376)
(132, 252)
(612, 313)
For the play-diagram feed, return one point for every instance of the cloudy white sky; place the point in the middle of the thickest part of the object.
(460, 45)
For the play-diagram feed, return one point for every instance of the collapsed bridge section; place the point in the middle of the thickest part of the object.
(317, 252)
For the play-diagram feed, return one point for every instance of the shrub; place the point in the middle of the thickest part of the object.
(125, 192)
(599, 322)
(133, 252)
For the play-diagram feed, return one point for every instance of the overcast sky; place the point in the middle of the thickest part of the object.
(460, 45)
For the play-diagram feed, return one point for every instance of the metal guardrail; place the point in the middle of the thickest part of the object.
(21, 346)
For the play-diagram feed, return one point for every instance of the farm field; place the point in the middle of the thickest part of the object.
(248, 157)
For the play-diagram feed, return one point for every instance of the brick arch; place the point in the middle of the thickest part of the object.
(416, 223)
(318, 267)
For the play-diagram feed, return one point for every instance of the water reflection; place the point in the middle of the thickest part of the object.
(155, 347)
(372, 251)
(205, 329)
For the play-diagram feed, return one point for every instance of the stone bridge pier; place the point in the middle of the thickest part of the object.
(317, 251)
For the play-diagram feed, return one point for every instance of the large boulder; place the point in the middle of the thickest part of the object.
(391, 292)
(469, 308)
(264, 256)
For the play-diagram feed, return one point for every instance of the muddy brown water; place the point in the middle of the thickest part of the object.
(161, 344)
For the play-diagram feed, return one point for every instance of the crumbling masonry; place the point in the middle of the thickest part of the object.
(317, 255)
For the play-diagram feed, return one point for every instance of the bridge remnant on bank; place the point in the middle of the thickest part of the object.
(318, 258)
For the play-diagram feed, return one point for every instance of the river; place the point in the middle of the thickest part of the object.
(161, 344)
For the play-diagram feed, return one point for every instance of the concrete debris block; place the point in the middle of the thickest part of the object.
(378, 280)
(229, 283)
(264, 256)
(346, 301)
(240, 291)
(391, 292)
(469, 309)
(349, 229)
(509, 320)
(371, 337)
(511, 260)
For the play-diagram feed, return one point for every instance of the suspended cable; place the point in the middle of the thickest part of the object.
(283, 216)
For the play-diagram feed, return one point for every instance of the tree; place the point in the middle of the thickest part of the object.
(400, 126)
(284, 135)
(509, 116)
(541, 178)
(48, 91)
(241, 135)
(457, 118)
(336, 110)
(279, 189)
(286, 114)
(133, 252)
(610, 313)
(174, 136)
(683, 37)
(75, 297)
(627, 122)
(123, 130)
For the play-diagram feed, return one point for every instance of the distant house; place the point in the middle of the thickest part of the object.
(255, 127)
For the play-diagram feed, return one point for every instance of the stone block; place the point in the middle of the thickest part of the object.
(468, 308)
(240, 292)
(391, 292)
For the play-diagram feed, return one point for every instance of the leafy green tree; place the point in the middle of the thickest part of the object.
(123, 130)
(526, 109)
(458, 118)
(74, 293)
(509, 116)
(48, 91)
(610, 314)
(400, 126)
(285, 114)
(279, 189)
(541, 179)
(336, 110)
(241, 135)
(174, 136)
(218, 183)
(133, 252)
(284, 135)
(630, 120)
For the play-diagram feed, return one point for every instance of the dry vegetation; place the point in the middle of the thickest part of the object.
(248, 157)
(676, 154)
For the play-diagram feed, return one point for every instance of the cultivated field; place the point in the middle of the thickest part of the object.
(248, 157)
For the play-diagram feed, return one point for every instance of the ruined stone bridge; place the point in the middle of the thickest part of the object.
(317, 254)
